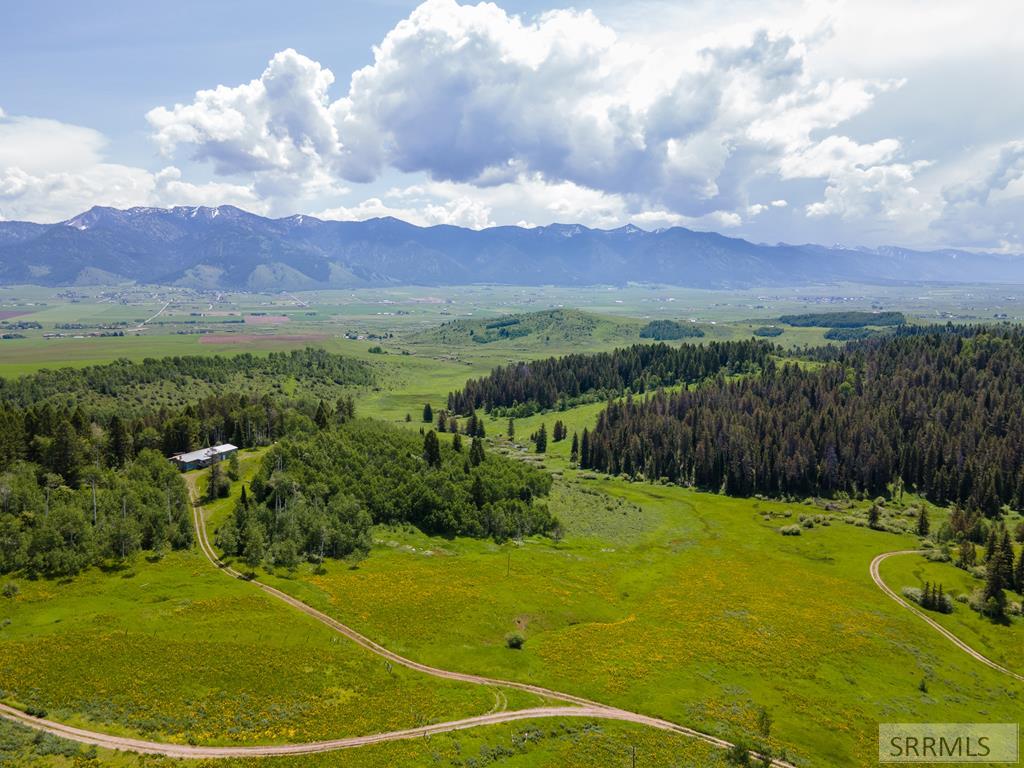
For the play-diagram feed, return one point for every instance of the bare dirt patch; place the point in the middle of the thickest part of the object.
(257, 338)
(266, 319)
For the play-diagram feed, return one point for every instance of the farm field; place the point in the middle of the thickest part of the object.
(189, 322)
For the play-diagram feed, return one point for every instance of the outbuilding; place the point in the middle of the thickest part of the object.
(204, 457)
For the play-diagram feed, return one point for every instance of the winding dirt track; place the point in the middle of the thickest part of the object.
(877, 577)
(577, 706)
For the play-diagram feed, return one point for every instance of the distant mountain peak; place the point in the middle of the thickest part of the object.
(228, 247)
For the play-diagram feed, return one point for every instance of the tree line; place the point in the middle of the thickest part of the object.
(112, 387)
(942, 412)
(521, 389)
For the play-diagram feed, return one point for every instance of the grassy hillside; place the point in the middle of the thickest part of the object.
(552, 328)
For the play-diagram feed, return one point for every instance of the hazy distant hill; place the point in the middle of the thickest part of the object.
(226, 247)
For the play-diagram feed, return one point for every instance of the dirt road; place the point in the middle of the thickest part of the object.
(877, 577)
(577, 706)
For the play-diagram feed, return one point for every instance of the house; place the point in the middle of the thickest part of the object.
(204, 457)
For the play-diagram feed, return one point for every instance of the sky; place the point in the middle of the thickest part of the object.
(869, 123)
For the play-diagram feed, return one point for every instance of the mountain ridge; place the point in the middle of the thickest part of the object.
(228, 247)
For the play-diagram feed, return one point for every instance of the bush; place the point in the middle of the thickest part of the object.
(790, 530)
(514, 640)
(912, 593)
(11, 589)
(35, 711)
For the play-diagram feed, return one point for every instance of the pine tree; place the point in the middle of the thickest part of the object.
(1004, 560)
(477, 492)
(991, 543)
(968, 557)
(428, 414)
(574, 454)
(923, 525)
(585, 450)
(511, 429)
(323, 416)
(476, 452)
(431, 449)
(995, 598)
(119, 443)
(1018, 573)
(541, 439)
(874, 516)
(457, 442)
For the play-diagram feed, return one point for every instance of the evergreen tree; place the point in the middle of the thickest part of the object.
(428, 414)
(118, 443)
(574, 454)
(1004, 560)
(541, 439)
(967, 556)
(585, 450)
(874, 516)
(511, 429)
(923, 525)
(457, 442)
(431, 449)
(477, 492)
(1018, 573)
(991, 543)
(995, 598)
(476, 452)
(65, 453)
(323, 416)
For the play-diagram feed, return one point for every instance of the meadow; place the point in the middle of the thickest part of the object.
(684, 605)
(572, 743)
(172, 650)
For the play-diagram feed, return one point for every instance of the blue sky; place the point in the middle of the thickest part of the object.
(868, 122)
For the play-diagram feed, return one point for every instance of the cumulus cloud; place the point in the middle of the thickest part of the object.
(461, 212)
(50, 171)
(985, 207)
(473, 95)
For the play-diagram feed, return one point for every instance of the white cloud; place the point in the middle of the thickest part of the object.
(764, 116)
(985, 206)
(461, 212)
(50, 171)
(473, 95)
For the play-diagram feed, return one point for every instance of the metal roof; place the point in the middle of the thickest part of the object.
(204, 453)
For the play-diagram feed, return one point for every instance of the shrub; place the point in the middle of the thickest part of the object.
(11, 589)
(912, 593)
(790, 530)
(514, 640)
(33, 711)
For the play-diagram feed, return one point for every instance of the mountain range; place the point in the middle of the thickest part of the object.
(226, 247)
